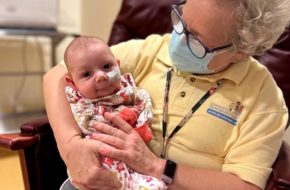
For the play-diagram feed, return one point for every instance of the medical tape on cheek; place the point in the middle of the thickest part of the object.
(114, 74)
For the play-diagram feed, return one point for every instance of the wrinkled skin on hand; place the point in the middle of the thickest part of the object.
(84, 167)
(125, 144)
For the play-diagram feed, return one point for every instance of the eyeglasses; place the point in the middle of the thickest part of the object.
(196, 47)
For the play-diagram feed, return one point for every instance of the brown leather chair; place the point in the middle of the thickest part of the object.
(138, 19)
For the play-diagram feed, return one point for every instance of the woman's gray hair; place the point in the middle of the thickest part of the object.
(260, 23)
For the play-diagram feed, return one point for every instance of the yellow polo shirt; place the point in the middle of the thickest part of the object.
(239, 129)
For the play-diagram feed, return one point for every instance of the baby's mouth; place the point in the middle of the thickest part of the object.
(106, 89)
(103, 86)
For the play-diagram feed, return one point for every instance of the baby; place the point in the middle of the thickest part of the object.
(95, 86)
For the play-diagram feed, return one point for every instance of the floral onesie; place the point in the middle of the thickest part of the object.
(133, 105)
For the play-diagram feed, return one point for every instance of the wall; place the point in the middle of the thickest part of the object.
(23, 61)
(88, 17)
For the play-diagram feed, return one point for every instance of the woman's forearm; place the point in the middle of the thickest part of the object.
(208, 180)
(58, 110)
(188, 178)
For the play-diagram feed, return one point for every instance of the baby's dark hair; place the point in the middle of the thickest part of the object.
(80, 44)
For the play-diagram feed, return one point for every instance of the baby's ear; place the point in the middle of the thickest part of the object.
(69, 81)
(118, 61)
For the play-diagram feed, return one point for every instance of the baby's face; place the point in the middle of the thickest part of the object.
(95, 72)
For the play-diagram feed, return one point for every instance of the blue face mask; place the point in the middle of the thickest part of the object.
(184, 60)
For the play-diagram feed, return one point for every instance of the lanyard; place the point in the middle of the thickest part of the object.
(186, 117)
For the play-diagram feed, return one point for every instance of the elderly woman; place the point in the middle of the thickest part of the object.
(219, 117)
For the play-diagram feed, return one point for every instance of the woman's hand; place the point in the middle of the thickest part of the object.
(84, 167)
(125, 144)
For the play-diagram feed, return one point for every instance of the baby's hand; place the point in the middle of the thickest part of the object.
(128, 115)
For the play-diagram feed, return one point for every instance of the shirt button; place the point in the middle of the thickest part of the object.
(192, 79)
(182, 94)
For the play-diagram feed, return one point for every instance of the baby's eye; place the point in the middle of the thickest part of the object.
(86, 74)
(107, 66)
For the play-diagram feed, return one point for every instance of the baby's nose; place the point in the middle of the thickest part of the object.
(101, 77)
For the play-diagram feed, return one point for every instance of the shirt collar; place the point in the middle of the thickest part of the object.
(235, 72)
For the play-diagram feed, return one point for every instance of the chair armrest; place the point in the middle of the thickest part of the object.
(16, 141)
(46, 170)
(37, 126)
(27, 136)
(280, 178)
